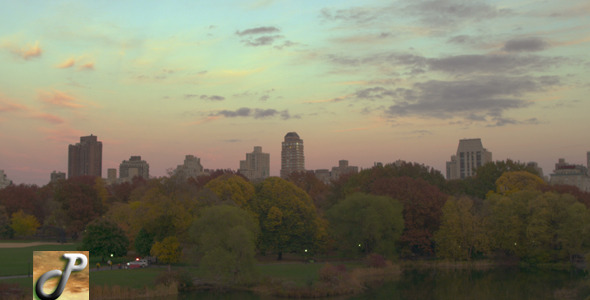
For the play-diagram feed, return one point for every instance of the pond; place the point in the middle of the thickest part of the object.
(505, 283)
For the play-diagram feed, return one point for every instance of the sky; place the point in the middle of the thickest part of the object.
(366, 81)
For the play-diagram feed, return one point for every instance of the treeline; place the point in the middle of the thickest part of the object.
(403, 210)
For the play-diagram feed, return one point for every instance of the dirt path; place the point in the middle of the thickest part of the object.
(22, 245)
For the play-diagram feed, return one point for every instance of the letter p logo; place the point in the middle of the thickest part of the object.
(70, 267)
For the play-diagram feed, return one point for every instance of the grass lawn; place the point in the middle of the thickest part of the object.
(19, 261)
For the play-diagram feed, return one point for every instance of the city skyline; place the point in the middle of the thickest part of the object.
(362, 81)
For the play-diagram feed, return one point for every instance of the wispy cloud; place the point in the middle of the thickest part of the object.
(256, 113)
(67, 64)
(11, 106)
(28, 52)
(204, 97)
(59, 99)
(53, 119)
(258, 30)
(87, 66)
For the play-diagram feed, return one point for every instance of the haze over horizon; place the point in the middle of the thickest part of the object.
(364, 81)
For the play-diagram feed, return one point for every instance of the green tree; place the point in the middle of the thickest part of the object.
(226, 241)
(367, 223)
(104, 238)
(460, 234)
(167, 251)
(229, 187)
(24, 224)
(144, 242)
(487, 175)
(288, 220)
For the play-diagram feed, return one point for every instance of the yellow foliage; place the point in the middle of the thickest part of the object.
(24, 224)
(512, 182)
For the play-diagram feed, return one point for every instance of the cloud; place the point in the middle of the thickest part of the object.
(256, 113)
(53, 119)
(450, 13)
(87, 66)
(67, 64)
(457, 64)
(263, 36)
(10, 106)
(471, 98)
(205, 97)
(31, 51)
(529, 44)
(59, 99)
(258, 30)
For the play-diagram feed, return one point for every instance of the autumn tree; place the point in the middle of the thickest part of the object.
(367, 223)
(422, 211)
(103, 238)
(514, 181)
(167, 251)
(288, 220)
(487, 175)
(225, 239)
(230, 187)
(26, 198)
(461, 233)
(79, 202)
(143, 242)
(24, 224)
(314, 187)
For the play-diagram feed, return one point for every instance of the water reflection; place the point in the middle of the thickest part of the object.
(509, 284)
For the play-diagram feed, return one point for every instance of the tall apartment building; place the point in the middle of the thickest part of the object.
(134, 167)
(4, 182)
(85, 157)
(292, 159)
(256, 166)
(470, 155)
(191, 168)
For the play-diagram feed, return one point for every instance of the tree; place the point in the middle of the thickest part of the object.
(226, 240)
(229, 187)
(26, 198)
(314, 187)
(514, 181)
(24, 224)
(422, 211)
(487, 175)
(371, 224)
(79, 201)
(460, 234)
(144, 242)
(288, 220)
(104, 238)
(167, 251)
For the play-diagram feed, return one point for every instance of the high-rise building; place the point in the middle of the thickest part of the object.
(134, 167)
(256, 166)
(85, 158)
(4, 182)
(111, 176)
(55, 176)
(470, 155)
(292, 159)
(191, 168)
